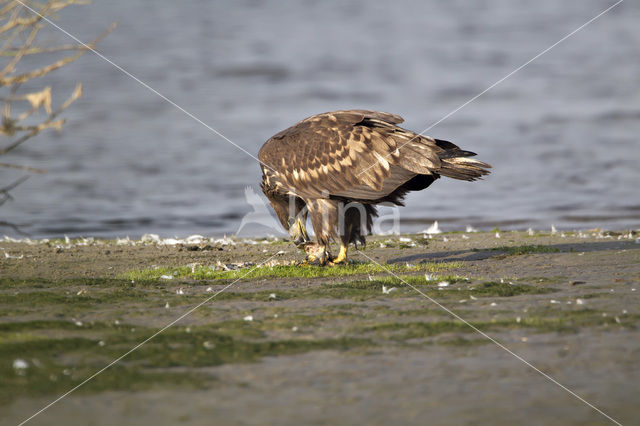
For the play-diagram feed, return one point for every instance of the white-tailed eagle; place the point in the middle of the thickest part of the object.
(337, 166)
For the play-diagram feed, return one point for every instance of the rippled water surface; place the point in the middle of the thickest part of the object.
(562, 133)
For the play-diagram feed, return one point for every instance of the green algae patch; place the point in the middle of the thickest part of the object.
(33, 365)
(431, 288)
(569, 321)
(525, 249)
(284, 271)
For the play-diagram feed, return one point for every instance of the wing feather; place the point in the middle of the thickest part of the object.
(348, 151)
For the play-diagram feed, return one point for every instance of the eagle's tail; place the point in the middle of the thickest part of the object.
(456, 164)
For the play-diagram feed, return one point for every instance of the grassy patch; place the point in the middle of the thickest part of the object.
(430, 287)
(285, 271)
(569, 321)
(525, 249)
(55, 365)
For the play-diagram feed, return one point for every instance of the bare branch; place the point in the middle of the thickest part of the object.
(21, 78)
(14, 227)
(25, 168)
(4, 192)
(48, 123)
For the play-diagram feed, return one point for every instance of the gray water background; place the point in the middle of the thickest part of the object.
(562, 133)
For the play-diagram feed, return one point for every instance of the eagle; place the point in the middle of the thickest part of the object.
(335, 167)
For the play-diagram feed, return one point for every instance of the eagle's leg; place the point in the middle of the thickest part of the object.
(342, 255)
(324, 218)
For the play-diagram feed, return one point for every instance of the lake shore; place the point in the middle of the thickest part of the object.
(386, 339)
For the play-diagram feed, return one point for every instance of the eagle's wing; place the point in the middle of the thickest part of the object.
(354, 153)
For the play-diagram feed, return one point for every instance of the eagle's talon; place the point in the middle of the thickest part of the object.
(341, 258)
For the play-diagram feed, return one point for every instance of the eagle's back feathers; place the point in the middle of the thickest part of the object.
(360, 154)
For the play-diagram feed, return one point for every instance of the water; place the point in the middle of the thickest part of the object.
(562, 133)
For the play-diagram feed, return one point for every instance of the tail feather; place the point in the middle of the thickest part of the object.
(464, 168)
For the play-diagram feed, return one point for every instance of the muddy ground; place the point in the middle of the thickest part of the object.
(283, 344)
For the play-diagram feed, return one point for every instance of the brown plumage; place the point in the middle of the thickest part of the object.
(327, 161)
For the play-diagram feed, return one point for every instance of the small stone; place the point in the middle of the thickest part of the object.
(248, 318)
(294, 328)
(20, 364)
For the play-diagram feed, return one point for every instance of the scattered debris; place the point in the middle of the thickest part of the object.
(433, 229)
(272, 296)
(443, 284)
(20, 365)
(248, 318)
(577, 282)
(471, 229)
(166, 277)
(8, 256)
(386, 290)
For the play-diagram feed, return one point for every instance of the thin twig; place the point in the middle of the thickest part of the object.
(21, 78)
(14, 227)
(25, 168)
(47, 123)
(5, 191)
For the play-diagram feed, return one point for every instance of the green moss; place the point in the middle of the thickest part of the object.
(569, 321)
(285, 271)
(525, 249)
(429, 287)
(58, 364)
